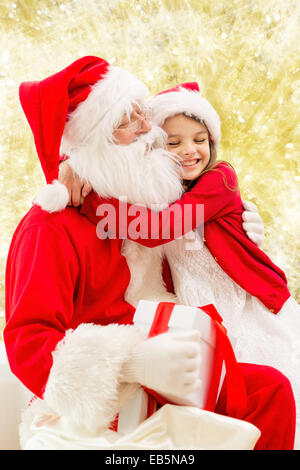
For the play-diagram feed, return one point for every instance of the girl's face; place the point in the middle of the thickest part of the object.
(189, 139)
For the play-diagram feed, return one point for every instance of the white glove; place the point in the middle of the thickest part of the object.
(253, 224)
(167, 363)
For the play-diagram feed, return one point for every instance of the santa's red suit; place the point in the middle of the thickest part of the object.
(69, 331)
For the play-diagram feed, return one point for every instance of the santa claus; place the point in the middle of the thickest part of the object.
(70, 295)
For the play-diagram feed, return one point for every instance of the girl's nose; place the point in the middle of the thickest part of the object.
(189, 150)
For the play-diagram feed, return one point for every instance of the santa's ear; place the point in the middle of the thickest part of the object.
(53, 197)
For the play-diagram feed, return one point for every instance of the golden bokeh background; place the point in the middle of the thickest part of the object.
(243, 53)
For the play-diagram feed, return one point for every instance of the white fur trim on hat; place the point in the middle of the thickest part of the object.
(188, 102)
(97, 116)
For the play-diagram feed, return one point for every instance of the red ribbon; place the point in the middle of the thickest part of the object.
(161, 319)
(236, 390)
(236, 394)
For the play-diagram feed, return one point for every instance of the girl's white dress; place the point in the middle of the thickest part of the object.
(261, 337)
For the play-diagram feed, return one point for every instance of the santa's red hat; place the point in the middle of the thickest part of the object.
(90, 89)
(186, 99)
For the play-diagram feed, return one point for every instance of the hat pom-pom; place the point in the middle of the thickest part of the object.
(53, 197)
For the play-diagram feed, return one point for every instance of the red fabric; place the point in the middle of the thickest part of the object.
(46, 104)
(63, 158)
(192, 86)
(224, 235)
(59, 275)
(167, 276)
(270, 406)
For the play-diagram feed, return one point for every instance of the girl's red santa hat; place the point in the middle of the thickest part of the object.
(186, 99)
(93, 96)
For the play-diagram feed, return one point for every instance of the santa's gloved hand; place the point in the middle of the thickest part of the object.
(167, 363)
(252, 223)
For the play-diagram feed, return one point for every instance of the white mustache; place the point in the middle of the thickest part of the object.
(155, 138)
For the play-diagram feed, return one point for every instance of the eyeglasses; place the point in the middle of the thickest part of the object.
(136, 125)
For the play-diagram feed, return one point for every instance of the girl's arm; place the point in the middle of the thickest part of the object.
(79, 189)
(214, 195)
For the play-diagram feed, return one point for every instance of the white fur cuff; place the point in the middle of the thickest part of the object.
(84, 379)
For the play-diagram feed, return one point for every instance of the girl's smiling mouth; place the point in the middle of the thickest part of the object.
(191, 163)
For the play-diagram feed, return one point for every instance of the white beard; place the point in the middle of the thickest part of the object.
(142, 172)
(140, 176)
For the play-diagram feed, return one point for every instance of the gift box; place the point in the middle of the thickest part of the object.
(217, 355)
(184, 318)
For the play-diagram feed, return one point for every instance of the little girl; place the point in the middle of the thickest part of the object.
(226, 268)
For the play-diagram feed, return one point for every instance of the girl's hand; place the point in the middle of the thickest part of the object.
(252, 223)
(78, 189)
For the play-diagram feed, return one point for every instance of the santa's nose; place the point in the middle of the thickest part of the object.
(145, 127)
